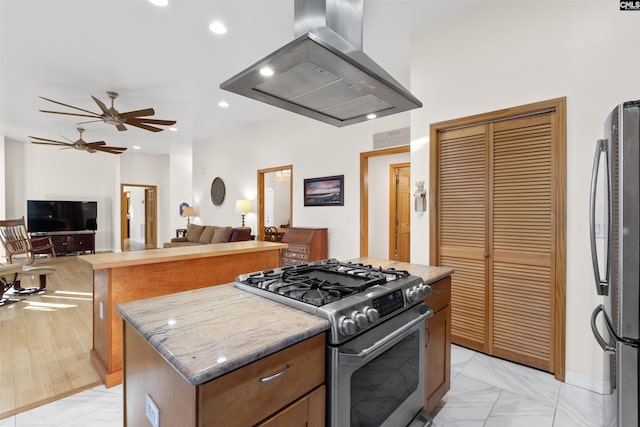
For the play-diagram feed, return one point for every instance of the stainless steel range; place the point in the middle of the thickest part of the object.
(375, 348)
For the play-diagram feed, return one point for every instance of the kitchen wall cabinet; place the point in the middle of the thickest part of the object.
(498, 204)
(438, 352)
(252, 395)
(305, 244)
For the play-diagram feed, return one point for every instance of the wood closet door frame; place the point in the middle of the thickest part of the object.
(557, 105)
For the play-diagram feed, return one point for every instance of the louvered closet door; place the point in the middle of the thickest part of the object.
(521, 274)
(463, 230)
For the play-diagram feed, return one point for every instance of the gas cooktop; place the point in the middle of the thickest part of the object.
(352, 296)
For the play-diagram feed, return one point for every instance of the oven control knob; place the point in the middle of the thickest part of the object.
(412, 294)
(347, 326)
(422, 291)
(371, 313)
(360, 319)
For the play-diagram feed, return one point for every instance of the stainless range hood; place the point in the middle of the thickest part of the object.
(323, 73)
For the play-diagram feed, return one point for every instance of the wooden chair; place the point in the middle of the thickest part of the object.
(16, 241)
(271, 234)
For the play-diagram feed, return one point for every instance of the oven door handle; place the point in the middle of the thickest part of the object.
(397, 335)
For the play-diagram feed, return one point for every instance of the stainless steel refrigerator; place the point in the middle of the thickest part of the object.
(615, 248)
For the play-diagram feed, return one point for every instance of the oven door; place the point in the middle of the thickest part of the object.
(377, 378)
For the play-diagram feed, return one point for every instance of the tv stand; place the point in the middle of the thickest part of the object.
(66, 242)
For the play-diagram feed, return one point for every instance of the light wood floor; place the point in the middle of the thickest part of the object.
(45, 339)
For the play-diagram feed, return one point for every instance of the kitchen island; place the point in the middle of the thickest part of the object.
(134, 275)
(223, 356)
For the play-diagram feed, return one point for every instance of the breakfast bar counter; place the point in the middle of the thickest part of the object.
(134, 275)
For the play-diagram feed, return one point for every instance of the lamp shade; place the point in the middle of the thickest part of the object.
(189, 211)
(243, 206)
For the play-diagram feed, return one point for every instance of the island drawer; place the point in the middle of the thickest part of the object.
(270, 383)
(440, 294)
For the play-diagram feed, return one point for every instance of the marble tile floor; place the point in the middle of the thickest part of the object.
(485, 392)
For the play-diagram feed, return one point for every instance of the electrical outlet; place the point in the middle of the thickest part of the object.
(152, 411)
(101, 311)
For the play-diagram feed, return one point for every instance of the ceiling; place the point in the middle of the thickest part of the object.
(165, 58)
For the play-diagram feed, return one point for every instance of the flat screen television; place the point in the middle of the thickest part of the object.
(45, 216)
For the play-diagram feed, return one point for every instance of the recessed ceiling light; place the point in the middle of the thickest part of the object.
(136, 147)
(160, 2)
(172, 129)
(218, 27)
(266, 71)
(371, 116)
(223, 104)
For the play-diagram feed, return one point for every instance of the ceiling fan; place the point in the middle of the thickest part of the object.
(113, 117)
(80, 144)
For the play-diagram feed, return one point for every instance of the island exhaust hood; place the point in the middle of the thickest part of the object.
(323, 73)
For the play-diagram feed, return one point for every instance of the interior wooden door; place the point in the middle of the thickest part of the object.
(521, 272)
(150, 228)
(462, 239)
(400, 212)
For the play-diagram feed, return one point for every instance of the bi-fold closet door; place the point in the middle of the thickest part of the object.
(496, 204)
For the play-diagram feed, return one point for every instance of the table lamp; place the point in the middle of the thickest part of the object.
(243, 207)
(188, 212)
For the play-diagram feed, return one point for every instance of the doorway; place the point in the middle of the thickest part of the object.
(274, 198)
(138, 217)
(364, 192)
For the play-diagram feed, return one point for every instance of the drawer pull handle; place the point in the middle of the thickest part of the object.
(274, 376)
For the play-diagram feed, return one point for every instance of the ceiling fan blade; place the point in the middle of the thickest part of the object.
(45, 139)
(137, 113)
(101, 104)
(90, 121)
(121, 127)
(70, 114)
(138, 123)
(112, 150)
(66, 105)
(155, 121)
(95, 143)
(64, 144)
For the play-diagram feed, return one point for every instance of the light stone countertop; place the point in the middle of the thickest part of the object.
(208, 332)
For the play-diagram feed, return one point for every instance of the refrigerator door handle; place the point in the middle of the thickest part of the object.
(602, 285)
(607, 347)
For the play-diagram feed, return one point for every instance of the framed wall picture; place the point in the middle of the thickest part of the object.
(325, 191)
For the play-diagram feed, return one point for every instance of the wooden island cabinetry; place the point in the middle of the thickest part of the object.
(305, 244)
(284, 388)
(438, 351)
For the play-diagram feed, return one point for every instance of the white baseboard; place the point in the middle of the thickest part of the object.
(587, 383)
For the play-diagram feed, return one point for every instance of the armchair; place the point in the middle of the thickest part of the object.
(15, 241)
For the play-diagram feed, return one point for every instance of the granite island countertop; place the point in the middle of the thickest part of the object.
(208, 332)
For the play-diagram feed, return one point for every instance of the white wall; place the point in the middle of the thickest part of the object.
(180, 190)
(40, 172)
(314, 149)
(509, 53)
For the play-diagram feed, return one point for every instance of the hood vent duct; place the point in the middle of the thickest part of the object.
(323, 73)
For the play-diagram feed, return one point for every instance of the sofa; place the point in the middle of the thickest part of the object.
(207, 234)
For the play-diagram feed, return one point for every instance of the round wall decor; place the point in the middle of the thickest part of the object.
(217, 191)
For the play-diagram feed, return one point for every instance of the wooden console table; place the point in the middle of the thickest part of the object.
(128, 276)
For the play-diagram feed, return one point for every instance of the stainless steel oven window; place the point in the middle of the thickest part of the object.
(382, 385)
